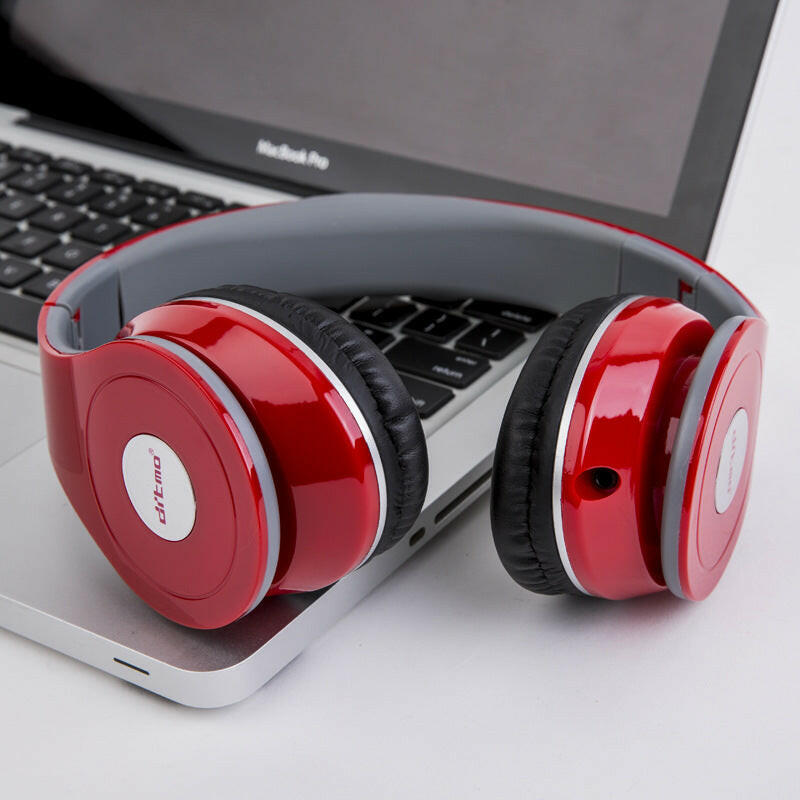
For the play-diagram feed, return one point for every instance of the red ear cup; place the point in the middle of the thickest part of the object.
(712, 459)
(274, 439)
(585, 448)
(179, 495)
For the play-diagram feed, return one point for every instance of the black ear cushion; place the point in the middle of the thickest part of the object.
(522, 482)
(375, 386)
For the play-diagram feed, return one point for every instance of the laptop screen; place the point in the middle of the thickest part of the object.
(624, 110)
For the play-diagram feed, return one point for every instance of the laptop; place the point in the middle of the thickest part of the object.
(118, 119)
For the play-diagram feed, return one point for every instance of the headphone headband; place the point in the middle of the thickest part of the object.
(385, 244)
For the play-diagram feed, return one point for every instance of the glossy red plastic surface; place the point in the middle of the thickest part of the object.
(324, 475)
(707, 537)
(95, 404)
(624, 419)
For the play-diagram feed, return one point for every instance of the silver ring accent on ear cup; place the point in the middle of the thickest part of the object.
(253, 443)
(337, 384)
(563, 430)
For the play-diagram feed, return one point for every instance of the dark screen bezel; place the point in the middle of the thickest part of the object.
(227, 144)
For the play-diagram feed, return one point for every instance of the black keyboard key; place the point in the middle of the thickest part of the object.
(9, 168)
(380, 338)
(436, 325)
(29, 155)
(70, 166)
(385, 312)
(117, 204)
(75, 193)
(427, 397)
(6, 228)
(28, 243)
(158, 215)
(43, 284)
(128, 235)
(441, 301)
(493, 341)
(70, 256)
(235, 206)
(524, 317)
(57, 219)
(13, 272)
(4, 146)
(202, 202)
(18, 315)
(436, 363)
(100, 231)
(34, 181)
(161, 191)
(336, 303)
(112, 178)
(18, 206)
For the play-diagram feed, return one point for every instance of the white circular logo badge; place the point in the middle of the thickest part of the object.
(158, 487)
(731, 461)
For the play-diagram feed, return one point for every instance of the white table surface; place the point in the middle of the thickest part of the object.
(451, 681)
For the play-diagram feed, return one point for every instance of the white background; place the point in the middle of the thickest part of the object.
(451, 681)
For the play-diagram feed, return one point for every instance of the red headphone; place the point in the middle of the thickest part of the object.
(237, 442)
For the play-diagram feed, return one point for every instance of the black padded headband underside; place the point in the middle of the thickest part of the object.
(385, 244)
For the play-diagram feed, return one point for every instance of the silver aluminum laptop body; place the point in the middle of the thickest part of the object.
(57, 589)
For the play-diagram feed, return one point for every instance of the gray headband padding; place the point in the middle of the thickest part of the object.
(362, 243)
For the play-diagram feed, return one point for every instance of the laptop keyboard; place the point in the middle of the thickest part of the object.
(440, 345)
(57, 213)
